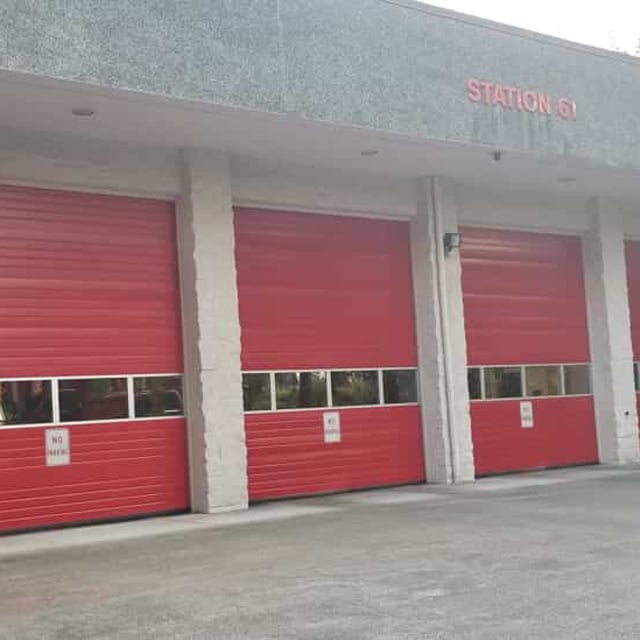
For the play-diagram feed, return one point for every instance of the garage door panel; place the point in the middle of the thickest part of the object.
(287, 455)
(563, 434)
(632, 251)
(107, 497)
(321, 293)
(109, 473)
(297, 269)
(520, 285)
(89, 285)
(524, 304)
(24, 366)
(82, 254)
(632, 255)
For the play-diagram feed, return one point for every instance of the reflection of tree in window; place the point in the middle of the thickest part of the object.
(305, 397)
(256, 391)
(38, 403)
(399, 386)
(286, 390)
(474, 384)
(25, 402)
(510, 385)
(93, 399)
(503, 382)
(354, 387)
(8, 406)
(158, 396)
(301, 390)
(543, 381)
(577, 379)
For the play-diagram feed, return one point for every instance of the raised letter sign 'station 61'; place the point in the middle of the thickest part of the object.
(515, 98)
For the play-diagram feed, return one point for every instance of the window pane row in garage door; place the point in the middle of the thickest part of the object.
(529, 381)
(42, 401)
(295, 390)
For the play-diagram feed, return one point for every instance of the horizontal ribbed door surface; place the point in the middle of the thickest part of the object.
(524, 304)
(632, 250)
(88, 285)
(321, 292)
(89, 288)
(523, 298)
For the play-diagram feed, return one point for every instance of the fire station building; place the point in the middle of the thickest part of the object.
(254, 249)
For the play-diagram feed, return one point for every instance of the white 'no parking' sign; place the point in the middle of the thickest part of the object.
(58, 450)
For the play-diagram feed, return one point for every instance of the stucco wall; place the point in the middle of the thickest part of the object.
(526, 211)
(72, 163)
(393, 66)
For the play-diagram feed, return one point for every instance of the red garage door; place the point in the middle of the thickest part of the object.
(633, 283)
(528, 351)
(91, 422)
(328, 353)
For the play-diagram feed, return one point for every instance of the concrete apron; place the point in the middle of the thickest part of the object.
(424, 496)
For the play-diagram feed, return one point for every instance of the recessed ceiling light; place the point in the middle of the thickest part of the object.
(82, 112)
(369, 152)
(566, 179)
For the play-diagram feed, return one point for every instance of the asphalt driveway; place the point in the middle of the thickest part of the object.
(553, 555)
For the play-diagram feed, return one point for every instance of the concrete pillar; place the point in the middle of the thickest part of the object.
(610, 335)
(440, 335)
(211, 332)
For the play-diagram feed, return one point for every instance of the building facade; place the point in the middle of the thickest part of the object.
(254, 249)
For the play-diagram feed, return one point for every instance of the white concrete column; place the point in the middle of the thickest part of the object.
(610, 335)
(440, 335)
(211, 334)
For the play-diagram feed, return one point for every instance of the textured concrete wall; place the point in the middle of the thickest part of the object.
(440, 336)
(211, 336)
(610, 335)
(529, 211)
(222, 51)
(318, 190)
(72, 163)
(393, 66)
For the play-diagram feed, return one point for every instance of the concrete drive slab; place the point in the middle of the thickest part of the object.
(36, 542)
(40, 541)
(534, 560)
(510, 482)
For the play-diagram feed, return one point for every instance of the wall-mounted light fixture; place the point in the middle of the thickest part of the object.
(451, 241)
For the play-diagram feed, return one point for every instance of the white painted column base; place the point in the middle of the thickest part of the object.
(441, 339)
(610, 335)
(211, 331)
